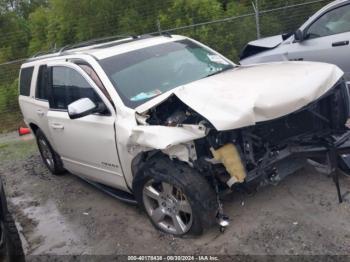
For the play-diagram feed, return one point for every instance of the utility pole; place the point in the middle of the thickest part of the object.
(255, 4)
(158, 27)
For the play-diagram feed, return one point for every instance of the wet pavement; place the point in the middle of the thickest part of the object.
(65, 215)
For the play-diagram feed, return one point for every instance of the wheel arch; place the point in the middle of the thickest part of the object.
(139, 162)
(34, 127)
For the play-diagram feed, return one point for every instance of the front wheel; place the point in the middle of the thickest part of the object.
(176, 198)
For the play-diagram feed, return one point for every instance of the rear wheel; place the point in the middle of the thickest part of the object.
(50, 158)
(176, 198)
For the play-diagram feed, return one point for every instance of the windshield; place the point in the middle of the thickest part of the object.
(145, 73)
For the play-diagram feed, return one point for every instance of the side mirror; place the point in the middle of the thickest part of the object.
(299, 35)
(285, 36)
(81, 108)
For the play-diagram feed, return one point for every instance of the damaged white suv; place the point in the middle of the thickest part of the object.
(174, 124)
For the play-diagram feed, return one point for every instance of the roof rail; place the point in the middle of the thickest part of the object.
(100, 40)
(95, 41)
(165, 33)
(154, 34)
(51, 51)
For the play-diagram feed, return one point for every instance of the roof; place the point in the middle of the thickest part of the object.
(111, 48)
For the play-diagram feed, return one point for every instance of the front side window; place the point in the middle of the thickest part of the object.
(68, 86)
(145, 73)
(333, 22)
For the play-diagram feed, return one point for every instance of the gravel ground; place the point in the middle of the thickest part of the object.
(65, 215)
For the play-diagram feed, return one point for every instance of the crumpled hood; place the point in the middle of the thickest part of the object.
(267, 42)
(260, 45)
(250, 94)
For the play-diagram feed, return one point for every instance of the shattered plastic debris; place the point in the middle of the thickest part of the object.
(162, 137)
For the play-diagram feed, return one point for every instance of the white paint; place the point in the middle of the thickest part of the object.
(80, 106)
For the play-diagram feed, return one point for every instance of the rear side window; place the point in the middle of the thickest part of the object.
(68, 86)
(42, 84)
(25, 81)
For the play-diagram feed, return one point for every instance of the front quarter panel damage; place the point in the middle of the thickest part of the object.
(164, 137)
(170, 127)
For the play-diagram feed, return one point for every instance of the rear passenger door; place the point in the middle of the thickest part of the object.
(26, 96)
(41, 100)
(33, 97)
(86, 145)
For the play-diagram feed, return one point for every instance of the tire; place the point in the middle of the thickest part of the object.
(50, 158)
(11, 249)
(192, 200)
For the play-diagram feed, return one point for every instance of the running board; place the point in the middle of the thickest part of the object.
(113, 192)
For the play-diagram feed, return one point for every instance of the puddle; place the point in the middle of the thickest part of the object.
(46, 229)
(24, 241)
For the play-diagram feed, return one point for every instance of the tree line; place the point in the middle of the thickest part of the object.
(30, 26)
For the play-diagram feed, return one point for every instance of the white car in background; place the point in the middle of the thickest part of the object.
(324, 37)
(174, 125)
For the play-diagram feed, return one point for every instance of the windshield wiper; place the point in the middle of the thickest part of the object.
(220, 71)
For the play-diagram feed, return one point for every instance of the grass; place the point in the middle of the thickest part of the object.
(10, 121)
(10, 116)
(16, 150)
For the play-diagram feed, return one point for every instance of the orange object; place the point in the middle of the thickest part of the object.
(23, 131)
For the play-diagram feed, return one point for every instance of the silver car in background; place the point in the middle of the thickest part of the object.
(324, 37)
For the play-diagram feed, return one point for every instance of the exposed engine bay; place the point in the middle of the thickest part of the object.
(173, 112)
(260, 154)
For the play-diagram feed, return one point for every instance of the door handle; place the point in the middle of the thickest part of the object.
(40, 112)
(57, 126)
(340, 43)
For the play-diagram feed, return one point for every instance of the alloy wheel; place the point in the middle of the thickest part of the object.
(46, 153)
(168, 207)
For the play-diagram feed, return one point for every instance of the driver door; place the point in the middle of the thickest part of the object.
(87, 145)
(326, 40)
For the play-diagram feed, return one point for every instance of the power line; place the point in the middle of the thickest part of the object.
(13, 61)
